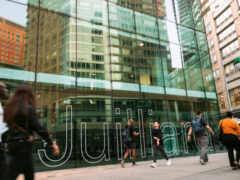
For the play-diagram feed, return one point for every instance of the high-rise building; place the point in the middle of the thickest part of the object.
(12, 40)
(97, 63)
(222, 22)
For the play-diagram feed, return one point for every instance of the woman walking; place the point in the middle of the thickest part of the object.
(3, 128)
(21, 118)
(231, 131)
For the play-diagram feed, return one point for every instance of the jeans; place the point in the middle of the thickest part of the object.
(3, 162)
(20, 163)
(203, 143)
(156, 149)
(231, 142)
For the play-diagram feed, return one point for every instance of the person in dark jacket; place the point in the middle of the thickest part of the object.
(22, 120)
(3, 128)
(158, 145)
(130, 145)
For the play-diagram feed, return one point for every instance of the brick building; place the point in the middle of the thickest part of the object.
(12, 40)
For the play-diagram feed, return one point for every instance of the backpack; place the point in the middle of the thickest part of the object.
(127, 139)
(196, 125)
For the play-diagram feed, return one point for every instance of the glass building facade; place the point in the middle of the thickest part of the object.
(96, 63)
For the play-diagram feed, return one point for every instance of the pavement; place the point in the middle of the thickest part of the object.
(186, 168)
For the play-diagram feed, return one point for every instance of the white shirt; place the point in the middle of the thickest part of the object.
(3, 126)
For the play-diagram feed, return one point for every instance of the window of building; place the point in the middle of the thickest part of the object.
(235, 96)
(16, 59)
(18, 38)
(221, 101)
(223, 17)
(229, 69)
(214, 58)
(208, 28)
(230, 49)
(227, 32)
(216, 75)
(210, 43)
(17, 49)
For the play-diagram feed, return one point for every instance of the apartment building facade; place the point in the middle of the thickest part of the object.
(222, 22)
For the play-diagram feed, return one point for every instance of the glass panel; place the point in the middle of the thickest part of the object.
(169, 32)
(149, 64)
(58, 6)
(174, 79)
(92, 54)
(187, 37)
(93, 11)
(175, 11)
(197, 15)
(202, 41)
(145, 6)
(123, 63)
(146, 25)
(208, 77)
(165, 10)
(13, 23)
(56, 77)
(184, 13)
(193, 74)
(120, 17)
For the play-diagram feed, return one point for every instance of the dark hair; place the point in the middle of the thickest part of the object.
(3, 91)
(198, 113)
(19, 104)
(229, 114)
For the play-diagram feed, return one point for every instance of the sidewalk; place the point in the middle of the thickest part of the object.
(186, 168)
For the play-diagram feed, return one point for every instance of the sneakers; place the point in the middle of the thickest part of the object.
(153, 165)
(202, 161)
(122, 164)
(169, 162)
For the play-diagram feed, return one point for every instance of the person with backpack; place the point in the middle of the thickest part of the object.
(199, 126)
(22, 120)
(231, 133)
(129, 143)
(3, 128)
(158, 145)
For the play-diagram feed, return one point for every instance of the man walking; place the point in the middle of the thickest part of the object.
(3, 128)
(158, 145)
(129, 143)
(199, 126)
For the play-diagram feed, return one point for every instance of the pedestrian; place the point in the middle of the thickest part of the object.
(3, 128)
(158, 145)
(199, 126)
(22, 120)
(229, 138)
(129, 142)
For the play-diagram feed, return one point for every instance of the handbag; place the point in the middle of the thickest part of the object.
(219, 133)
